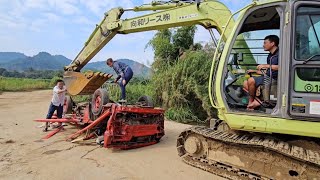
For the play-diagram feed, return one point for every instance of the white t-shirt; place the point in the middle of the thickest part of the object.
(58, 99)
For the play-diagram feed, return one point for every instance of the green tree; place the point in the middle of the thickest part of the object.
(30, 69)
(181, 86)
(167, 44)
(2, 70)
(184, 37)
(161, 44)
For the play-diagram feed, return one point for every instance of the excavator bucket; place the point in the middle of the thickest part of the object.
(78, 83)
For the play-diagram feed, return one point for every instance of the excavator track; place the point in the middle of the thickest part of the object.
(246, 156)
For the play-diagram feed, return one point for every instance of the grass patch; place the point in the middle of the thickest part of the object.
(133, 91)
(81, 98)
(22, 84)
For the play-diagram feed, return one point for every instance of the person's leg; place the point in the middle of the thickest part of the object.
(253, 83)
(59, 113)
(123, 89)
(51, 110)
(252, 90)
(256, 103)
(245, 85)
(128, 75)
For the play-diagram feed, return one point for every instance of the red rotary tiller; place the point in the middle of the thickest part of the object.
(114, 125)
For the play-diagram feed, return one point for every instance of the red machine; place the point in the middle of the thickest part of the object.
(114, 125)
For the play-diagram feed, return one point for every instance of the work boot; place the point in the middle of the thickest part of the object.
(45, 129)
(100, 140)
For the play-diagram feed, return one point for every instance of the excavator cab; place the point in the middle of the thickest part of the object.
(295, 93)
(247, 53)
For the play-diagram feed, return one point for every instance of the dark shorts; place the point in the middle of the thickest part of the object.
(259, 80)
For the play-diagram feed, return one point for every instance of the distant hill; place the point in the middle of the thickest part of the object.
(9, 56)
(139, 69)
(13, 61)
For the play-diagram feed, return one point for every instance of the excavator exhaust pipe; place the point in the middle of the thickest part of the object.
(78, 83)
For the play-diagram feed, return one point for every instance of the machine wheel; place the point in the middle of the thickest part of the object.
(145, 101)
(68, 105)
(100, 97)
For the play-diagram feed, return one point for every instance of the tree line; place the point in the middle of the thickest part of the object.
(31, 73)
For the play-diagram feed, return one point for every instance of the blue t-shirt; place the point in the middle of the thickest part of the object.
(120, 68)
(273, 60)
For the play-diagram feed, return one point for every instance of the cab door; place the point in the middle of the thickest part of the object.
(304, 75)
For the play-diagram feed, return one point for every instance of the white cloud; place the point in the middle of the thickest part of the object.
(67, 7)
(99, 7)
(83, 20)
(147, 1)
(37, 4)
(12, 22)
(51, 17)
(37, 25)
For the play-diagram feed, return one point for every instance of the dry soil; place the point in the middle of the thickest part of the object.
(23, 155)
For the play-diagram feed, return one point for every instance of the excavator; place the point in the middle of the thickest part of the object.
(278, 140)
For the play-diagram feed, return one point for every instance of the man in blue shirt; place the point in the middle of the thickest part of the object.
(124, 73)
(271, 44)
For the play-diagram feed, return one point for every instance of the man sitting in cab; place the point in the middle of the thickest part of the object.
(271, 44)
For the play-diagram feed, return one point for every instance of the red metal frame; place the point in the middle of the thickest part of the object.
(117, 134)
(114, 135)
(90, 126)
(49, 135)
(63, 120)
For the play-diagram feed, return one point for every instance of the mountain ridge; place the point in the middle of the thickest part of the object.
(16, 61)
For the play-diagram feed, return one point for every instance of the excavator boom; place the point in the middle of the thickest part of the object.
(209, 14)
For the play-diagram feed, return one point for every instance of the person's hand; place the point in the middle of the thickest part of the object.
(263, 66)
(124, 82)
(251, 71)
(115, 81)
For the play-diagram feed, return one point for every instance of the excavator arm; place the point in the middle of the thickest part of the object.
(209, 14)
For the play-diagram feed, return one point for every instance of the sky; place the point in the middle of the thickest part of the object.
(61, 27)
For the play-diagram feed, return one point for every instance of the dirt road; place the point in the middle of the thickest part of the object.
(23, 155)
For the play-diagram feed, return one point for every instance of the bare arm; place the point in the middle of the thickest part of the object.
(254, 71)
(275, 67)
(267, 66)
(59, 91)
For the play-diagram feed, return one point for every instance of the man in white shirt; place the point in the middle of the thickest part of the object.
(57, 102)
